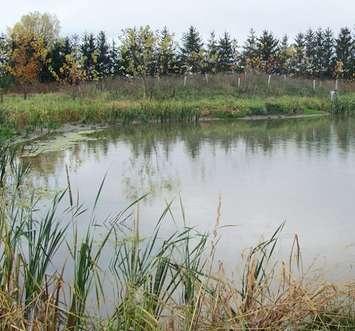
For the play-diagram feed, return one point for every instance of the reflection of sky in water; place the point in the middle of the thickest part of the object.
(301, 171)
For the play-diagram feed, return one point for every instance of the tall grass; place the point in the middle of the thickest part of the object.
(121, 101)
(51, 271)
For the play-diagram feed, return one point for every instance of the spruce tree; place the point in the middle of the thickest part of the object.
(226, 58)
(267, 49)
(310, 53)
(166, 53)
(191, 52)
(345, 52)
(250, 51)
(89, 56)
(211, 54)
(328, 54)
(298, 62)
(60, 49)
(103, 63)
(284, 57)
(115, 62)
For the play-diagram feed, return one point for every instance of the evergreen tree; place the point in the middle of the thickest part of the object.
(226, 58)
(89, 55)
(191, 52)
(298, 61)
(328, 54)
(115, 62)
(250, 52)
(211, 59)
(310, 53)
(103, 62)
(166, 53)
(318, 53)
(344, 51)
(267, 47)
(60, 49)
(284, 57)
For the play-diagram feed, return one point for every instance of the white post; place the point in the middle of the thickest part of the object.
(314, 84)
(206, 77)
(185, 80)
(336, 84)
(268, 81)
(238, 82)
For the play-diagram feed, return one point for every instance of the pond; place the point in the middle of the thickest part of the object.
(301, 171)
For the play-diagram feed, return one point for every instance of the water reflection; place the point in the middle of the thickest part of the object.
(301, 171)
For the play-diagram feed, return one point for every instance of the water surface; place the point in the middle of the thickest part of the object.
(301, 171)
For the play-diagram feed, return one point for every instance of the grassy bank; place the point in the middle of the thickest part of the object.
(53, 110)
(171, 99)
(61, 268)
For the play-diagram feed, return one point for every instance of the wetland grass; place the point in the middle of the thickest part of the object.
(121, 101)
(146, 282)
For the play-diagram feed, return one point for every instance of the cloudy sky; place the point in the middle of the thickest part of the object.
(234, 16)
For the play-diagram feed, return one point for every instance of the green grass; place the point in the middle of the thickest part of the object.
(53, 110)
(121, 101)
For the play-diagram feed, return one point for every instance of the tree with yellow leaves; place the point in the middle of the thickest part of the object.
(27, 55)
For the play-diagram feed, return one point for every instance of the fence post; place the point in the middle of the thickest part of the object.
(185, 80)
(314, 84)
(238, 82)
(268, 81)
(336, 85)
(206, 77)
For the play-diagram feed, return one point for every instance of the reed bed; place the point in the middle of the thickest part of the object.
(145, 282)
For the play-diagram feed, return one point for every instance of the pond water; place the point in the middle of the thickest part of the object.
(301, 171)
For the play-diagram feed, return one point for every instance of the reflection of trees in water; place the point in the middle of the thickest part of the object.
(150, 147)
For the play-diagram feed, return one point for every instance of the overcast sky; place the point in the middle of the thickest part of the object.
(234, 16)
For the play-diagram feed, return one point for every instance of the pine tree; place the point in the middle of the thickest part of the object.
(89, 55)
(345, 53)
(250, 52)
(103, 62)
(226, 58)
(267, 50)
(191, 52)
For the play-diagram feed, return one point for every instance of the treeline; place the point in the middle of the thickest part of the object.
(32, 51)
